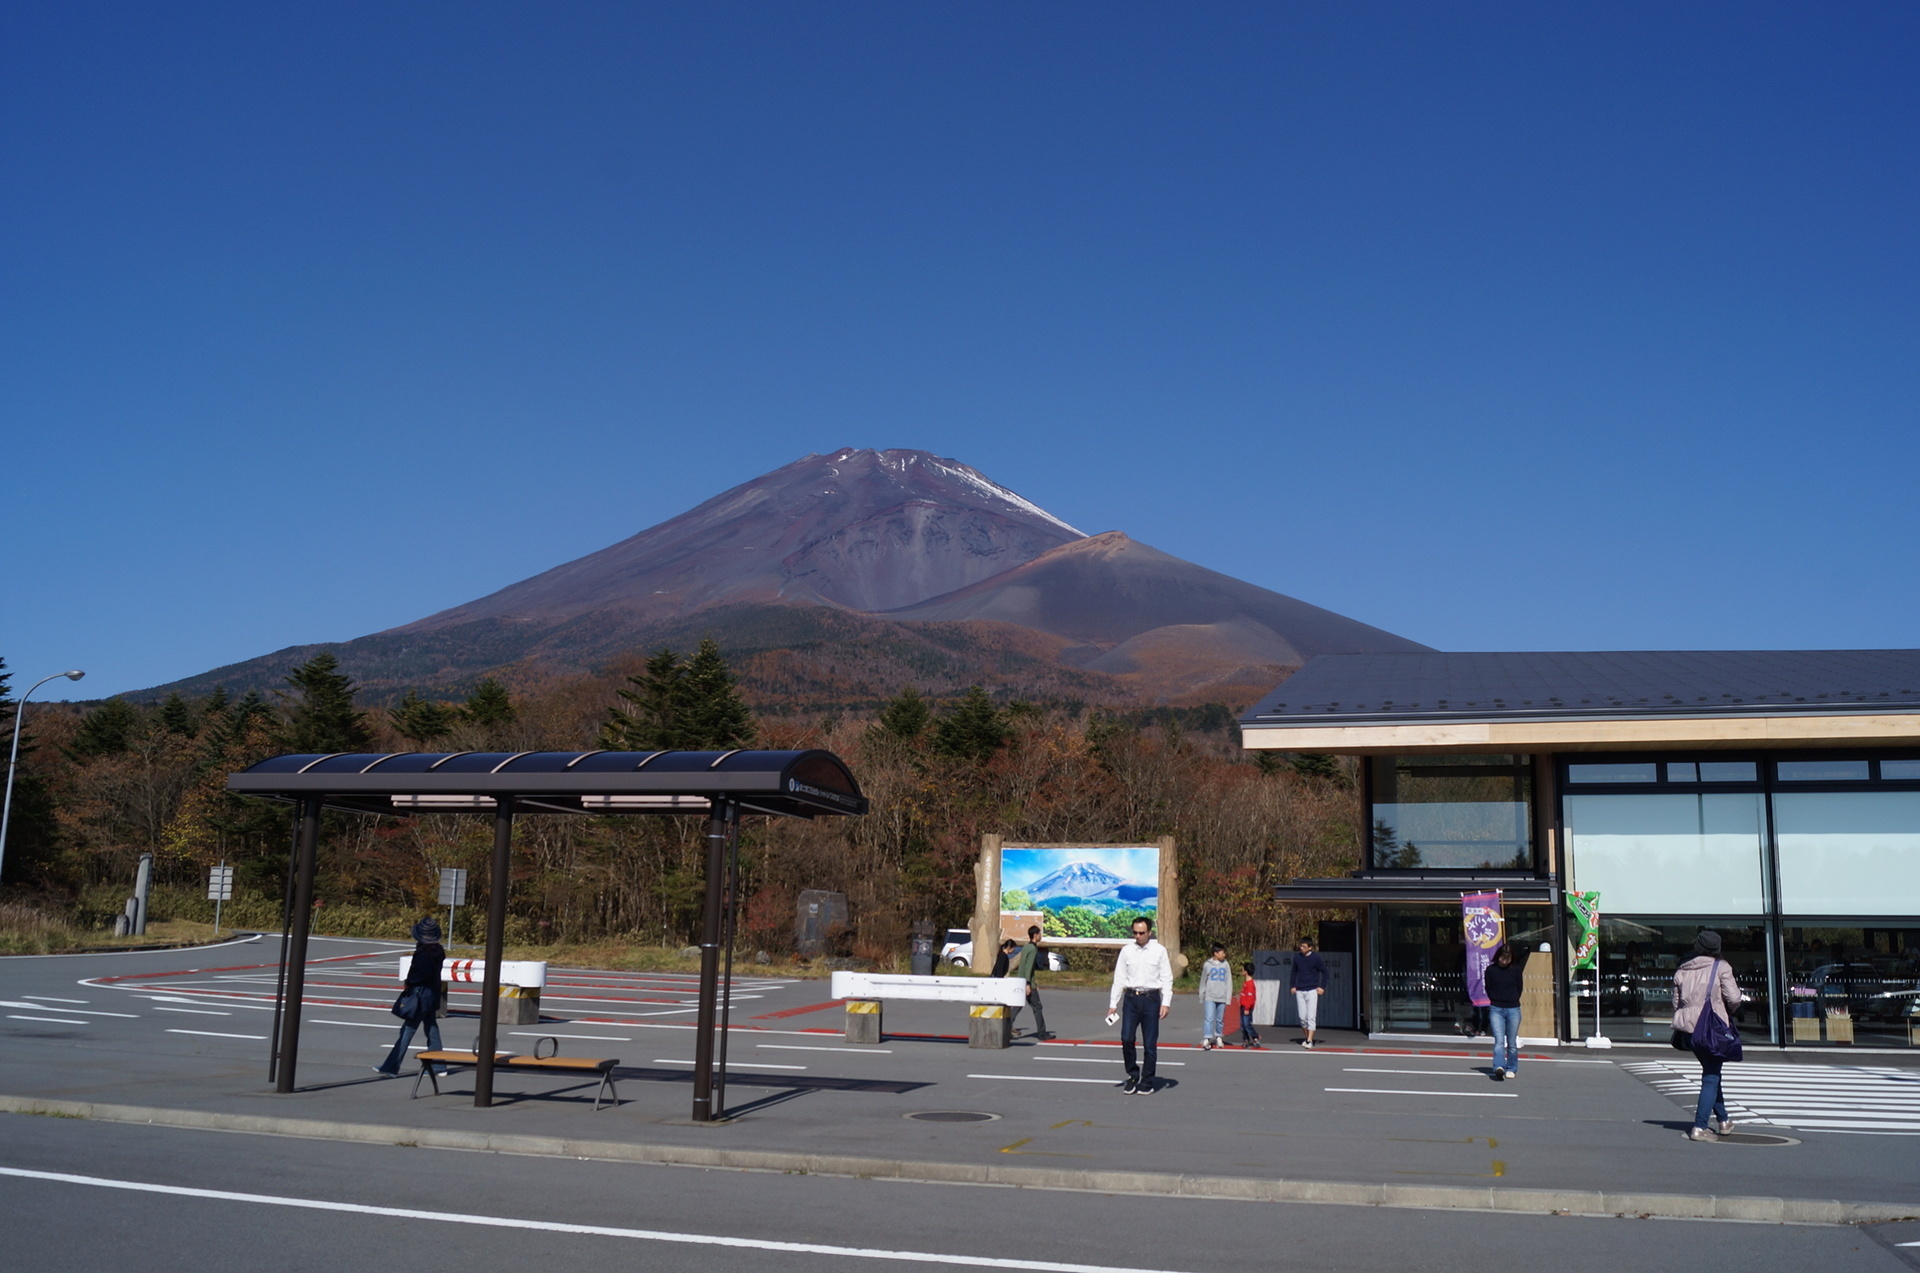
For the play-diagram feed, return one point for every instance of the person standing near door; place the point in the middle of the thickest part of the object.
(1308, 981)
(1504, 978)
(1141, 996)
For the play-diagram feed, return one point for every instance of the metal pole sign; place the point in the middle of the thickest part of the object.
(453, 892)
(219, 891)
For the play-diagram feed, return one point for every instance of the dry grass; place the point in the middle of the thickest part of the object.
(27, 930)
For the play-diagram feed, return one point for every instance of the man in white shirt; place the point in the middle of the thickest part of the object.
(1142, 993)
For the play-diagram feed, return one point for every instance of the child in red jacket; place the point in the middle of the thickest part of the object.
(1249, 1037)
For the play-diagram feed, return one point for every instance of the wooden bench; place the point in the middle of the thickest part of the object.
(506, 1061)
(990, 1002)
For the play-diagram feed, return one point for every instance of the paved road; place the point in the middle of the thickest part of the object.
(486, 1211)
(188, 1030)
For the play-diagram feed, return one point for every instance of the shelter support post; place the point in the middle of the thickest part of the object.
(722, 826)
(286, 931)
(296, 946)
(496, 943)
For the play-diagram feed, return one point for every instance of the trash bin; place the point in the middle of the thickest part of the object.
(920, 951)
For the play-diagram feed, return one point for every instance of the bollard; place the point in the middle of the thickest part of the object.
(519, 1005)
(989, 1025)
(863, 1021)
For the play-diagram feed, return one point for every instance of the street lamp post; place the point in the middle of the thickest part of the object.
(13, 757)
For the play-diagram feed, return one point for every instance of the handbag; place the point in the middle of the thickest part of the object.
(408, 1007)
(1711, 1035)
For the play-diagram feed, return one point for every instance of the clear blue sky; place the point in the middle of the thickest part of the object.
(1500, 326)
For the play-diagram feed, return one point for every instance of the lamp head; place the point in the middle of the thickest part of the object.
(74, 675)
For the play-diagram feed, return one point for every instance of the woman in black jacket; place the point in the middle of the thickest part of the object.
(1504, 978)
(423, 975)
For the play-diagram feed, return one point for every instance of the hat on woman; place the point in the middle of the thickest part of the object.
(427, 930)
(1707, 943)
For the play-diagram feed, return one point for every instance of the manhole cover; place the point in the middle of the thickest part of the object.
(1757, 1138)
(952, 1116)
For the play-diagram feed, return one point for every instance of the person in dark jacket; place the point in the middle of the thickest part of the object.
(1504, 978)
(423, 974)
(1308, 981)
(1004, 959)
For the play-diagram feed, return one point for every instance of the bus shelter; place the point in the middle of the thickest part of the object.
(723, 786)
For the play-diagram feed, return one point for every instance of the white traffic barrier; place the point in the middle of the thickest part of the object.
(990, 1002)
(1008, 992)
(521, 981)
(528, 974)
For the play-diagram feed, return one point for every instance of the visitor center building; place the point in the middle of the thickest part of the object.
(1771, 795)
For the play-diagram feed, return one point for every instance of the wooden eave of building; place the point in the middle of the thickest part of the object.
(1571, 733)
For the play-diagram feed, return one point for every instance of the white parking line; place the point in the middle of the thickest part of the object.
(1396, 1091)
(358, 1025)
(1043, 1078)
(758, 1065)
(52, 999)
(1100, 1060)
(204, 1012)
(14, 1016)
(801, 1047)
(595, 1230)
(215, 1034)
(78, 1012)
(1439, 1074)
(535, 1034)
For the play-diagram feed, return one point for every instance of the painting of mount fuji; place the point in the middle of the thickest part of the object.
(1084, 893)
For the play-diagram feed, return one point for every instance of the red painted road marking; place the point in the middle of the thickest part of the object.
(794, 1012)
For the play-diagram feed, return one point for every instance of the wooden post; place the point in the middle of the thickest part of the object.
(986, 904)
(1168, 922)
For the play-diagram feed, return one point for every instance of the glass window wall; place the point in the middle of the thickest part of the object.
(1419, 969)
(1852, 984)
(1638, 956)
(1848, 853)
(1452, 813)
(1669, 852)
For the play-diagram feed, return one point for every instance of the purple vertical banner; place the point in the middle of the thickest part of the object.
(1483, 927)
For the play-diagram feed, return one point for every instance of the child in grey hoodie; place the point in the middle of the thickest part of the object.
(1216, 987)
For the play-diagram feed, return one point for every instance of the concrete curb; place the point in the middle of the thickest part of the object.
(1242, 1188)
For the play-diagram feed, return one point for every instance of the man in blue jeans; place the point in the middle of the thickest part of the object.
(1504, 978)
(1142, 993)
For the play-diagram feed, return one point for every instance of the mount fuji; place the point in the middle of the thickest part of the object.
(839, 578)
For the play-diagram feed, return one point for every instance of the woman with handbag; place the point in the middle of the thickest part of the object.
(1702, 982)
(419, 1001)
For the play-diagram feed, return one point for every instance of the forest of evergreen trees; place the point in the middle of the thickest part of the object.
(99, 785)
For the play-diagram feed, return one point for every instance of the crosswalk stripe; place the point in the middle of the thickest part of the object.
(1871, 1100)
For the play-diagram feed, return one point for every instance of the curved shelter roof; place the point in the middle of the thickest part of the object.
(799, 784)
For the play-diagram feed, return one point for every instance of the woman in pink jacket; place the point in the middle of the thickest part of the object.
(1701, 983)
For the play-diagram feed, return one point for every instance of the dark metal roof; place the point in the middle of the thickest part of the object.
(1401, 888)
(800, 784)
(1387, 689)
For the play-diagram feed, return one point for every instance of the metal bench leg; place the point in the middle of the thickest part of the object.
(606, 1086)
(426, 1072)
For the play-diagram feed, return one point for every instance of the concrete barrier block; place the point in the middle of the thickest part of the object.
(863, 1021)
(519, 1005)
(989, 1025)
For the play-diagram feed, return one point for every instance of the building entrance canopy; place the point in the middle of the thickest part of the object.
(722, 785)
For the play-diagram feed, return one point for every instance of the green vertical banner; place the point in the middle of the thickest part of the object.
(1584, 910)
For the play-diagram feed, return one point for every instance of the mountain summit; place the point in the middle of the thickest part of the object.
(861, 530)
(840, 578)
